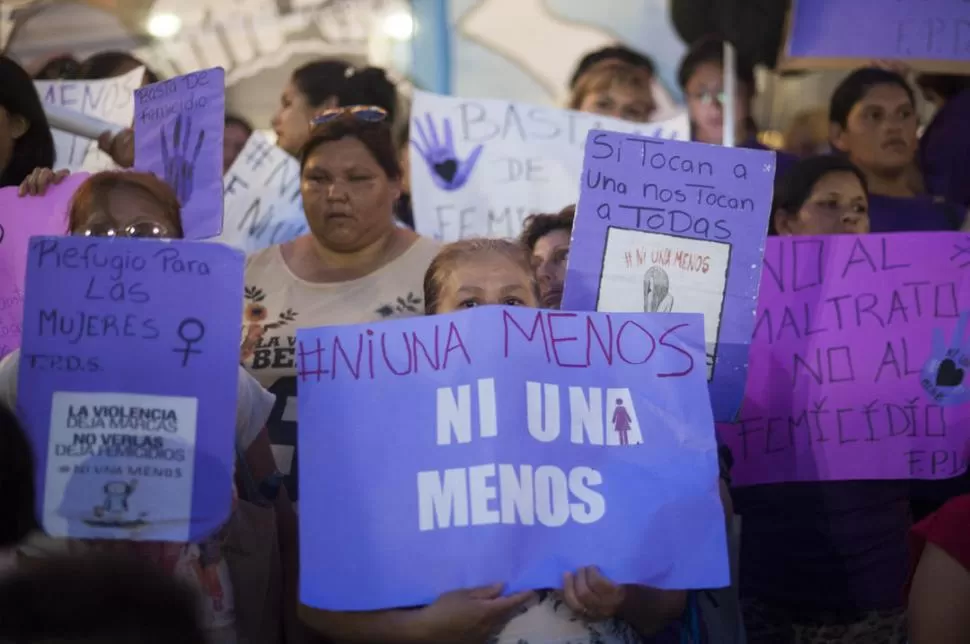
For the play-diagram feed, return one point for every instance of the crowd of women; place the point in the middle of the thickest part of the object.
(860, 562)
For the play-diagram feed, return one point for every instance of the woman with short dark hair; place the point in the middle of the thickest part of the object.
(26, 141)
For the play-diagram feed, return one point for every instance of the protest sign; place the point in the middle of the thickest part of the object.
(262, 197)
(111, 100)
(858, 361)
(928, 35)
(480, 167)
(510, 444)
(128, 381)
(20, 219)
(667, 226)
(179, 128)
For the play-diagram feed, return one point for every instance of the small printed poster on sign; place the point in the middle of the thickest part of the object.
(859, 363)
(481, 166)
(128, 383)
(179, 129)
(262, 197)
(669, 226)
(111, 100)
(20, 219)
(928, 35)
(506, 442)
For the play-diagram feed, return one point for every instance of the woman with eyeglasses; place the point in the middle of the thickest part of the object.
(246, 599)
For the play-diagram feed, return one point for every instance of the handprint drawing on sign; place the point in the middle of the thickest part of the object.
(447, 170)
(944, 374)
(178, 167)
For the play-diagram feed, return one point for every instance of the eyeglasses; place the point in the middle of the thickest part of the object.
(707, 98)
(366, 113)
(138, 229)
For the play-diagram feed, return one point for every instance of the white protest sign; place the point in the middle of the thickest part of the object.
(480, 167)
(262, 197)
(111, 100)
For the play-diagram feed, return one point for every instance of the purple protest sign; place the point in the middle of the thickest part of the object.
(509, 445)
(932, 35)
(20, 219)
(128, 381)
(858, 361)
(667, 226)
(179, 128)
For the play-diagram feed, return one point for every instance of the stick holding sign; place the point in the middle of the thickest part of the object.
(507, 441)
(859, 361)
(179, 128)
(124, 451)
(672, 226)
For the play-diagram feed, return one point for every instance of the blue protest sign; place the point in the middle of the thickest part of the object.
(128, 385)
(179, 129)
(667, 226)
(504, 444)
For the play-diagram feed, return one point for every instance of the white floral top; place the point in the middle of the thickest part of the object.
(550, 621)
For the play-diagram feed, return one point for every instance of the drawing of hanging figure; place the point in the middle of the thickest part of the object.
(656, 291)
(622, 422)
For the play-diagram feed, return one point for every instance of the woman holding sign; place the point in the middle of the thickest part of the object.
(237, 599)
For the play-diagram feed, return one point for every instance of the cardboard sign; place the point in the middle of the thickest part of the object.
(928, 35)
(262, 197)
(111, 100)
(20, 219)
(511, 445)
(128, 385)
(179, 128)
(480, 167)
(669, 226)
(858, 361)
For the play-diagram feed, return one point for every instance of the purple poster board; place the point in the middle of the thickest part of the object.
(128, 381)
(20, 219)
(667, 226)
(858, 361)
(931, 35)
(179, 128)
(510, 445)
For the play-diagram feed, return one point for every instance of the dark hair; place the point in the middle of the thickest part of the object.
(64, 67)
(17, 482)
(856, 85)
(320, 79)
(794, 187)
(97, 598)
(238, 121)
(376, 137)
(93, 195)
(105, 64)
(459, 251)
(538, 226)
(368, 86)
(35, 149)
(614, 52)
(946, 85)
(708, 51)
(404, 135)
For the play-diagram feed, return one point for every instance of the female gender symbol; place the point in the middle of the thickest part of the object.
(189, 341)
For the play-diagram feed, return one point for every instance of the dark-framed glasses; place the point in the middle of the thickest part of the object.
(709, 97)
(366, 113)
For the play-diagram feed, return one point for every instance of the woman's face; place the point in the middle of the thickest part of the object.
(130, 213)
(705, 91)
(232, 144)
(347, 197)
(837, 205)
(549, 258)
(880, 133)
(12, 127)
(621, 101)
(486, 278)
(291, 122)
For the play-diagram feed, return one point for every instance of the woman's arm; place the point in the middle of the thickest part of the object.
(939, 599)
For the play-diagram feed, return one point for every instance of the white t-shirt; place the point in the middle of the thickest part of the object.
(209, 576)
(278, 303)
(550, 621)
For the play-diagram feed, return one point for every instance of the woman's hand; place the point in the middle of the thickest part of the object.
(120, 147)
(38, 181)
(591, 595)
(469, 615)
